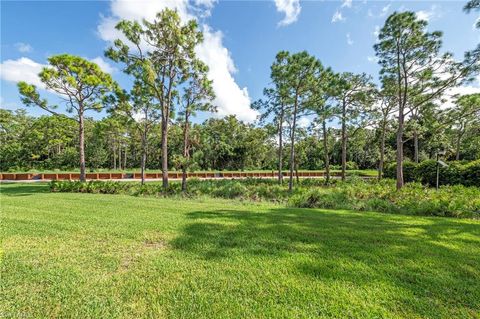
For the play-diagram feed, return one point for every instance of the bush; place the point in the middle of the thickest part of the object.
(351, 165)
(355, 194)
(233, 189)
(414, 198)
(471, 173)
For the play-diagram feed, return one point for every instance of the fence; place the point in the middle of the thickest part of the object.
(149, 175)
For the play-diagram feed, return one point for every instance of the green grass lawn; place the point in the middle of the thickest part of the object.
(110, 256)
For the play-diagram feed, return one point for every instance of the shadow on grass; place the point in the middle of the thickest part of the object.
(425, 258)
(14, 189)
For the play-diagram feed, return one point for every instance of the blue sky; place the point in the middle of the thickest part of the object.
(242, 37)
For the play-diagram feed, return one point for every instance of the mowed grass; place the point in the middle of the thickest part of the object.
(114, 256)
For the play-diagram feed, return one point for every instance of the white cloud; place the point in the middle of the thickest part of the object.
(382, 13)
(428, 15)
(376, 32)
(22, 69)
(372, 59)
(104, 65)
(349, 39)
(230, 99)
(458, 91)
(23, 47)
(347, 3)
(303, 122)
(291, 8)
(337, 16)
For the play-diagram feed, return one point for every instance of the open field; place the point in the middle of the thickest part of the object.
(110, 256)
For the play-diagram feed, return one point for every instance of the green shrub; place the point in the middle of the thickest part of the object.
(234, 189)
(471, 173)
(409, 175)
(355, 193)
(351, 165)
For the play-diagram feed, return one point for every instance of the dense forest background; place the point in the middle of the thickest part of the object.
(51, 142)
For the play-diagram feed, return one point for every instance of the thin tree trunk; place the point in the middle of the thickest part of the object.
(114, 151)
(292, 146)
(164, 151)
(415, 145)
(81, 142)
(344, 141)
(400, 149)
(325, 147)
(382, 153)
(296, 170)
(402, 96)
(143, 159)
(280, 148)
(125, 157)
(119, 156)
(185, 153)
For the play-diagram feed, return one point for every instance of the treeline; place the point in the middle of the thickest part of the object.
(354, 121)
(51, 142)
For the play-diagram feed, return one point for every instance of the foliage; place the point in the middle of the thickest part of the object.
(452, 201)
(82, 86)
(463, 173)
(356, 194)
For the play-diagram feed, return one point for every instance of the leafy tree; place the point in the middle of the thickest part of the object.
(411, 56)
(81, 84)
(296, 72)
(275, 105)
(321, 103)
(197, 95)
(159, 53)
(466, 114)
(353, 93)
(385, 107)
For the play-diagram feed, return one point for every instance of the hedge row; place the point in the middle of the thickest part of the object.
(457, 173)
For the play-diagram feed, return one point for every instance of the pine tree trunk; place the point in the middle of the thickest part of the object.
(81, 142)
(185, 153)
(280, 148)
(125, 157)
(400, 149)
(415, 146)
(382, 154)
(325, 147)
(114, 153)
(143, 159)
(119, 156)
(344, 141)
(292, 146)
(164, 150)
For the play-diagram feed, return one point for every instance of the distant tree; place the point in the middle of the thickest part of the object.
(322, 104)
(276, 105)
(353, 93)
(296, 72)
(80, 83)
(196, 96)
(159, 54)
(465, 114)
(384, 108)
(411, 56)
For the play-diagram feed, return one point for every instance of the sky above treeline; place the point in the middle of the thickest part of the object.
(241, 38)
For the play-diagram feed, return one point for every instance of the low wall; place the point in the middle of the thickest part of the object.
(150, 175)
